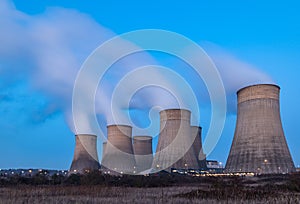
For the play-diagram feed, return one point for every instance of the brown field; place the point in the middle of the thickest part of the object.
(100, 194)
(96, 188)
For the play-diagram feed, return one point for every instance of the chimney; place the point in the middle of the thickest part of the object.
(142, 146)
(196, 132)
(174, 148)
(85, 156)
(119, 157)
(259, 144)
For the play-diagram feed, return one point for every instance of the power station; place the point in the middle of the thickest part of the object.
(196, 132)
(175, 144)
(104, 148)
(85, 156)
(259, 143)
(142, 147)
(118, 156)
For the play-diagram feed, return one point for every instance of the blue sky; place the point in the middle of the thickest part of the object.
(34, 131)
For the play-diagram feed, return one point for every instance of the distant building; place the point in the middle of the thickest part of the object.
(214, 166)
(31, 172)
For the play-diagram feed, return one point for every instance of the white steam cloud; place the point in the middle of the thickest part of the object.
(236, 74)
(48, 50)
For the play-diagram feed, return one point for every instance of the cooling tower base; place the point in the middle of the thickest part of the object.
(85, 156)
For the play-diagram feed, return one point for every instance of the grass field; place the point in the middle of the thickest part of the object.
(274, 189)
(98, 194)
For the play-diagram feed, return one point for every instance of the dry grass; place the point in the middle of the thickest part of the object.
(88, 194)
(98, 194)
(96, 188)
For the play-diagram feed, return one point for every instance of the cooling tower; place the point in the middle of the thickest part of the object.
(85, 156)
(119, 157)
(259, 144)
(174, 148)
(142, 147)
(201, 157)
(103, 165)
(104, 148)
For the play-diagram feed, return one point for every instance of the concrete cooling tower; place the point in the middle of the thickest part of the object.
(103, 165)
(259, 144)
(85, 156)
(119, 157)
(197, 145)
(142, 148)
(173, 150)
(104, 148)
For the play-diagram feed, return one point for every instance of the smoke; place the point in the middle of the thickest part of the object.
(235, 73)
(48, 50)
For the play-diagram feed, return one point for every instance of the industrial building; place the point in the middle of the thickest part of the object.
(85, 156)
(104, 148)
(259, 144)
(175, 145)
(118, 157)
(142, 148)
(196, 132)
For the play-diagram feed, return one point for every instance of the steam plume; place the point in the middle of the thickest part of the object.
(48, 49)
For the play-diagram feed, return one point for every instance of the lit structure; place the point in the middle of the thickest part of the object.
(259, 144)
(142, 147)
(104, 148)
(175, 144)
(118, 156)
(85, 156)
(196, 132)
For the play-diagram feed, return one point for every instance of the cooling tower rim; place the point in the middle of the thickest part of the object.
(142, 137)
(175, 109)
(246, 87)
(85, 135)
(196, 126)
(115, 125)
